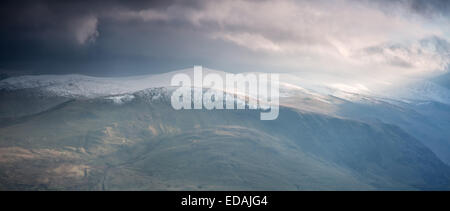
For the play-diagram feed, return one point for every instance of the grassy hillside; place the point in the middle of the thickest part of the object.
(146, 145)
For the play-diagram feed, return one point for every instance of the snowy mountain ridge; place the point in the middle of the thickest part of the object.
(91, 87)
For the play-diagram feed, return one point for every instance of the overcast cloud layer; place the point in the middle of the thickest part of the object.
(345, 38)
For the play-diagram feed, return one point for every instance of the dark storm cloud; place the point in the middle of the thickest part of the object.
(130, 37)
(425, 8)
(50, 36)
(39, 19)
(431, 7)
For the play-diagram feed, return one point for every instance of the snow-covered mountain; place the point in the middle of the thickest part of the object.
(345, 129)
(91, 87)
(85, 86)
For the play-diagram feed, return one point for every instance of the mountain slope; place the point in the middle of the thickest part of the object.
(95, 144)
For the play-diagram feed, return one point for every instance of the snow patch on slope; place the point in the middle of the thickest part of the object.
(121, 99)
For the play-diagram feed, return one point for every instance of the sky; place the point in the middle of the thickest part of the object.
(378, 40)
